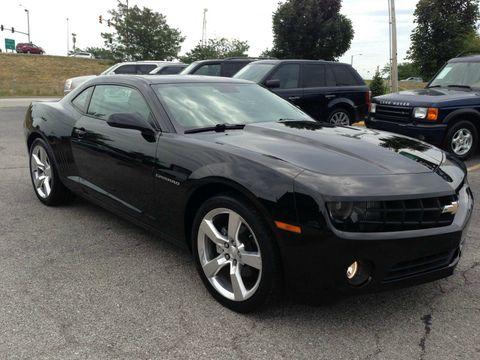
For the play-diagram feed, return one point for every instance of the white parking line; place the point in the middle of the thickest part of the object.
(474, 168)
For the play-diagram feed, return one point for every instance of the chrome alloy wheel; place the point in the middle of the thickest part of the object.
(462, 141)
(229, 254)
(340, 118)
(41, 171)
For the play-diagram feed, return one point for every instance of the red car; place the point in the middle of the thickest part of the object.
(29, 48)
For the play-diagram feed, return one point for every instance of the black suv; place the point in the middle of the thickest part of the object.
(446, 113)
(220, 67)
(327, 91)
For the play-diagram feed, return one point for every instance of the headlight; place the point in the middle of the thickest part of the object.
(340, 210)
(68, 84)
(373, 108)
(420, 113)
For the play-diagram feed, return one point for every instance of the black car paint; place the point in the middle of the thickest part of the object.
(320, 101)
(454, 103)
(288, 170)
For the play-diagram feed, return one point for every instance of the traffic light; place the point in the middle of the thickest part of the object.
(13, 29)
(108, 22)
(100, 19)
(1, 27)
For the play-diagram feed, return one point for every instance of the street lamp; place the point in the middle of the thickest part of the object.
(355, 55)
(28, 21)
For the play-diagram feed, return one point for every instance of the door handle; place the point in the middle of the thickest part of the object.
(330, 96)
(294, 98)
(79, 132)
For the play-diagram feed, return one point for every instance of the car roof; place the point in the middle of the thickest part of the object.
(161, 79)
(470, 58)
(275, 61)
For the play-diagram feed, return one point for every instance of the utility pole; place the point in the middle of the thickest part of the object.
(393, 47)
(68, 36)
(204, 28)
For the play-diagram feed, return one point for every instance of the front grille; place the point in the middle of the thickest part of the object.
(420, 265)
(397, 215)
(393, 113)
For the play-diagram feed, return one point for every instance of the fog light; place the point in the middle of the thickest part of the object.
(359, 273)
(352, 270)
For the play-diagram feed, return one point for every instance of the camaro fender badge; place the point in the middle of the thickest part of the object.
(452, 208)
(174, 182)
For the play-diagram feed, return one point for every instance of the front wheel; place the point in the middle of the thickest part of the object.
(234, 254)
(340, 117)
(462, 139)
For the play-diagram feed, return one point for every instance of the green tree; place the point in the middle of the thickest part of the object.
(100, 53)
(141, 34)
(311, 29)
(441, 32)
(405, 70)
(377, 86)
(216, 49)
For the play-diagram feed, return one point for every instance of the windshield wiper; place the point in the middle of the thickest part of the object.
(461, 86)
(216, 128)
(434, 86)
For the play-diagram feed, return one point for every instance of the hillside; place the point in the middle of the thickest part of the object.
(42, 75)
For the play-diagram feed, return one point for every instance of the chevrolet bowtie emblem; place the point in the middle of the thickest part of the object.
(452, 208)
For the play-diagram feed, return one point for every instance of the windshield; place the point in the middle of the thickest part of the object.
(202, 105)
(254, 72)
(462, 73)
(189, 68)
(107, 72)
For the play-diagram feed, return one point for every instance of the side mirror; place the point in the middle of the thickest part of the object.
(131, 121)
(272, 84)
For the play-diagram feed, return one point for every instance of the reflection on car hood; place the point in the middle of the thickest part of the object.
(426, 97)
(329, 150)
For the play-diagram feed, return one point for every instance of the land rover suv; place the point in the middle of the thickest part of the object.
(446, 113)
(327, 91)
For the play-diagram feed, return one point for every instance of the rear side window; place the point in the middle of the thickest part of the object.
(145, 69)
(344, 76)
(112, 99)
(231, 68)
(126, 69)
(288, 74)
(81, 101)
(170, 70)
(313, 75)
(209, 70)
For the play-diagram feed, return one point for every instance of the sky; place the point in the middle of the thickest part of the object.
(248, 20)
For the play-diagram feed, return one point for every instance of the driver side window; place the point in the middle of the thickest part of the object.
(288, 74)
(112, 99)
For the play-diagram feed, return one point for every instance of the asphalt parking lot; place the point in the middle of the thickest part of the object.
(77, 282)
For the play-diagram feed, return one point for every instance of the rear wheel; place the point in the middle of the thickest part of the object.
(462, 139)
(340, 117)
(234, 255)
(46, 183)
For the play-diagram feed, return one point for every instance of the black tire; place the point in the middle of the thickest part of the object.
(451, 139)
(58, 194)
(340, 117)
(267, 280)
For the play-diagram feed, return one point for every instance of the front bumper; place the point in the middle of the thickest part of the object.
(431, 133)
(316, 261)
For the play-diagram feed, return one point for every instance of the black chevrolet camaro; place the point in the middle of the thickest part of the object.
(263, 196)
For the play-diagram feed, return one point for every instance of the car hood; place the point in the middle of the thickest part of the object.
(426, 97)
(335, 151)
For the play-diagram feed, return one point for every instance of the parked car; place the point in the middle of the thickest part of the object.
(219, 67)
(168, 69)
(82, 54)
(446, 113)
(260, 193)
(125, 68)
(413, 79)
(29, 48)
(327, 91)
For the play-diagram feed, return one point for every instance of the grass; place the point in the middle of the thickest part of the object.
(42, 75)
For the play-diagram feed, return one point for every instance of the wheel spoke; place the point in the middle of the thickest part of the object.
(250, 258)
(37, 161)
(234, 223)
(238, 286)
(212, 233)
(212, 267)
(46, 185)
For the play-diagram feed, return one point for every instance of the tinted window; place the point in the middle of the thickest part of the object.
(209, 70)
(145, 69)
(254, 72)
(170, 70)
(231, 68)
(330, 77)
(81, 101)
(313, 75)
(209, 104)
(288, 75)
(111, 99)
(344, 76)
(126, 69)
